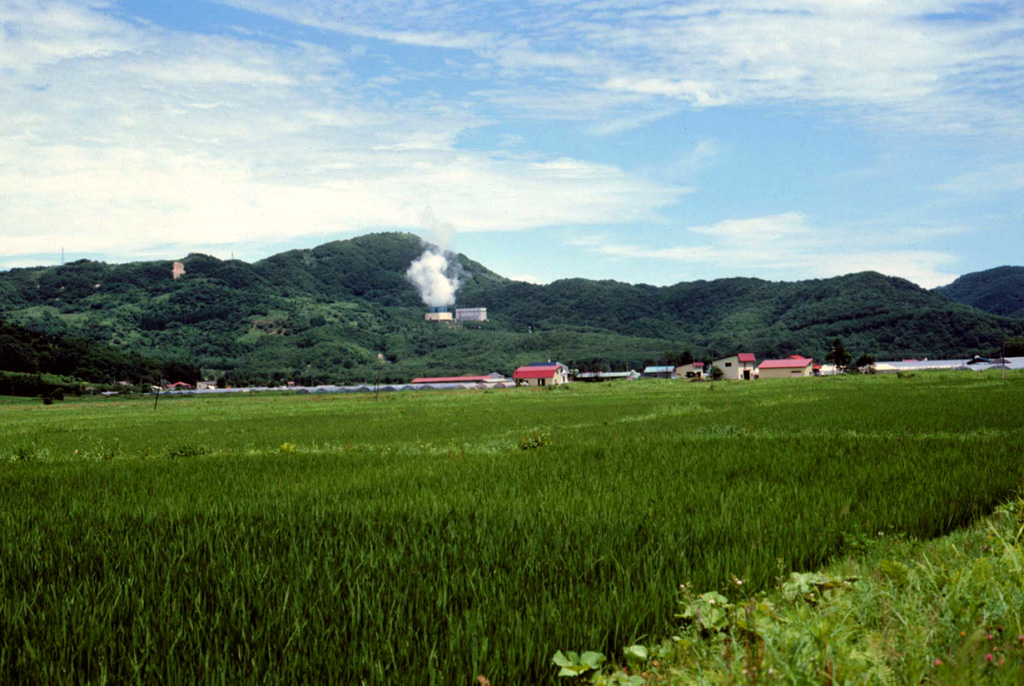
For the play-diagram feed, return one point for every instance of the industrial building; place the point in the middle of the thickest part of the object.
(471, 314)
(438, 314)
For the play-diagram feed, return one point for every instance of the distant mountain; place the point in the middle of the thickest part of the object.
(999, 290)
(323, 315)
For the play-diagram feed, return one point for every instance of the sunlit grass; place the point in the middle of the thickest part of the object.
(431, 537)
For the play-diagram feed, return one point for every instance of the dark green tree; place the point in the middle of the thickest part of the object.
(181, 370)
(1014, 346)
(838, 355)
(865, 362)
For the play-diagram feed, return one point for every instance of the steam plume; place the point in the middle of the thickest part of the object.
(435, 277)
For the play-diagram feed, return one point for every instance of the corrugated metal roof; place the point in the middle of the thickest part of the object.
(659, 370)
(792, 362)
(536, 371)
(747, 357)
(932, 365)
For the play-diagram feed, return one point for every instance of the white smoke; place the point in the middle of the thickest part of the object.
(435, 277)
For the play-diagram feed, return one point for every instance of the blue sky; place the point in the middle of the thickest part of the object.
(641, 141)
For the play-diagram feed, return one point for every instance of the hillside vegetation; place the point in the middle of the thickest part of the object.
(33, 363)
(999, 291)
(323, 315)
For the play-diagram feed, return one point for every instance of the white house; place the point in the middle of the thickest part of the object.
(694, 370)
(737, 367)
(542, 374)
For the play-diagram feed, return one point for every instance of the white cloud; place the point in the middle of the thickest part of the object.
(116, 135)
(1006, 177)
(937, 64)
(790, 245)
(758, 229)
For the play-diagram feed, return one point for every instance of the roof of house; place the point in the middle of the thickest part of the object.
(605, 375)
(452, 379)
(791, 362)
(537, 371)
(659, 369)
(742, 357)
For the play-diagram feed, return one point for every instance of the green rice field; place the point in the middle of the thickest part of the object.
(427, 538)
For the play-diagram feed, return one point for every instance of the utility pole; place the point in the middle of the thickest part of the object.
(376, 386)
(1002, 357)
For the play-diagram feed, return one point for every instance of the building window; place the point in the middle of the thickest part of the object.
(728, 364)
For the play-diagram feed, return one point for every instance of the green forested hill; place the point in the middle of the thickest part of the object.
(34, 363)
(999, 290)
(323, 315)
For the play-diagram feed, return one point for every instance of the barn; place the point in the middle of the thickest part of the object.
(792, 366)
(542, 374)
(660, 372)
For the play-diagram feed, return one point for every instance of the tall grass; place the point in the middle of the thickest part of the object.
(428, 538)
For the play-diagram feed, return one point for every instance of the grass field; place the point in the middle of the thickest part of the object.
(429, 538)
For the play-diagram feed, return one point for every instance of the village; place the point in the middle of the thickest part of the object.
(738, 367)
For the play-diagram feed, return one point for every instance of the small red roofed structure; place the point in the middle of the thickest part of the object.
(794, 365)
(693, 370)
(542, 374)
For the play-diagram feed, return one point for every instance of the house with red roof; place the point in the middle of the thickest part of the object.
(693, 370)
(741, 366)
(542, 374)
(792, 366)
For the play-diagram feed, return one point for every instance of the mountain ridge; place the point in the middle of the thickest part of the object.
(999, 290)
(323, 314)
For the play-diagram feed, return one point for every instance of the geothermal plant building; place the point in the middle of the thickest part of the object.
(467, 314)
(438, 314)
(471, 314)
